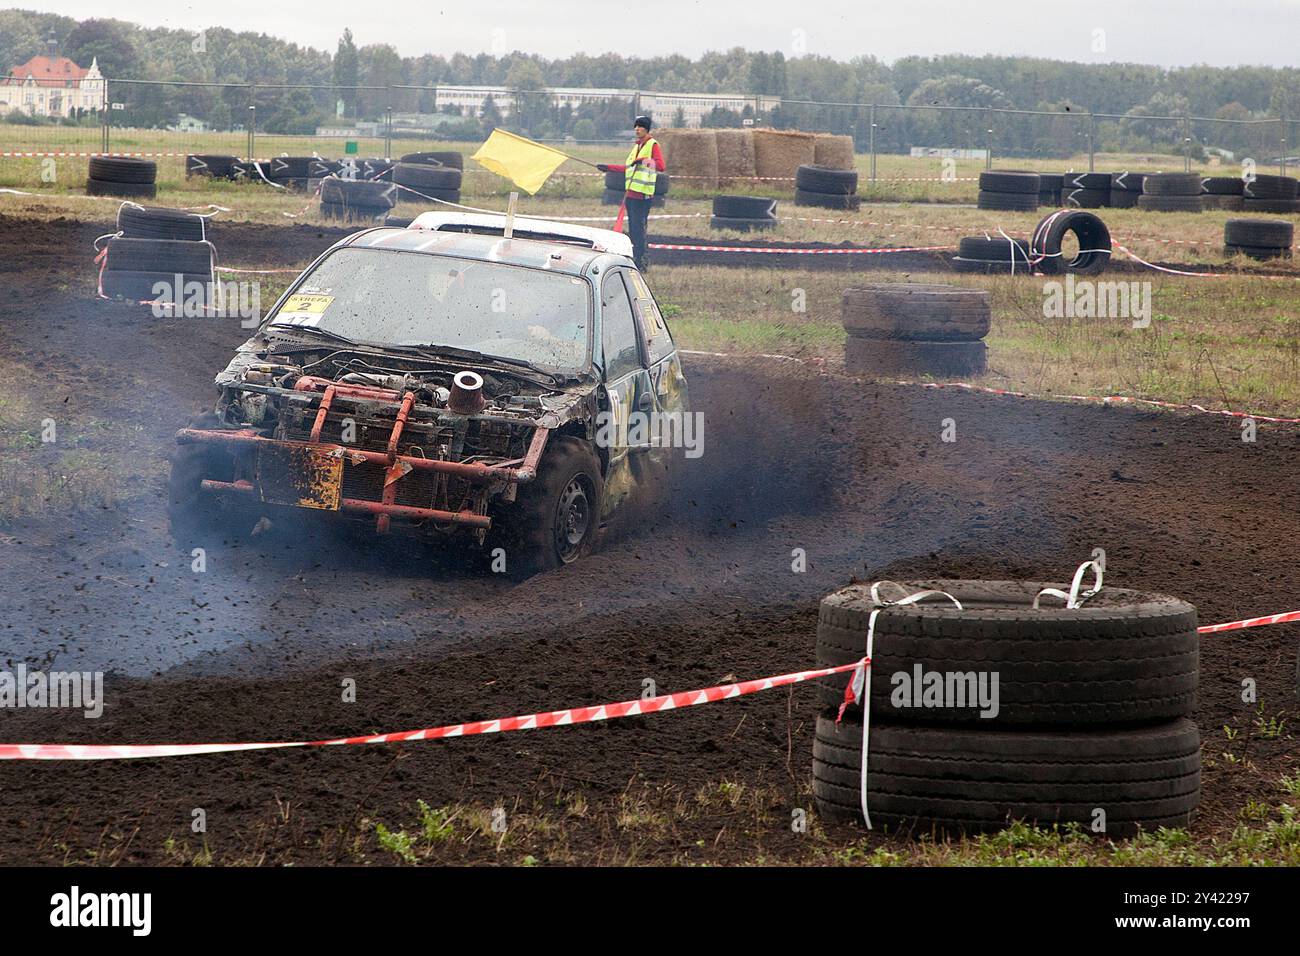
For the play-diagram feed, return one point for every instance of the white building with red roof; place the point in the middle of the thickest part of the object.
(52, 85)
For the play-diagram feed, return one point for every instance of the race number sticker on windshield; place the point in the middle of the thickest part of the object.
(303, 309)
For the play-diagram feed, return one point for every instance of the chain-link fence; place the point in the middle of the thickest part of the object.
(263, 120)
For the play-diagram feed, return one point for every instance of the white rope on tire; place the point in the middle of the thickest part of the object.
(859, 688)
(1073, 598)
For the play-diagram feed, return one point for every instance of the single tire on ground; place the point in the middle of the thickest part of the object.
(1085, 198)
(876, 357)
(981, 779)
(978, 254)
(158, 255)
(916, 312)
(1123, 657)
(1008, 202)
(448, 158)
(143, 286)
(122, 169)
(1089, 231)
(1261, 253)
(1249, 204)
(150, 222)
(741, 225)
(96, 187)
(1163, 203)
(1172, 184)
(1223, 185)
(803, 197)
(744, 207)
(1010, 181)
(1270, 187)
(208, 164)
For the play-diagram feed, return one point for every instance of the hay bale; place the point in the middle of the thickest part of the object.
(833, 151)
(691, 156)
(735, 154)
(778, 153)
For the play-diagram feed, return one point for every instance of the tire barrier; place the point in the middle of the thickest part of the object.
(743, 213)
(1091, 233)
(132, 268)
(1009, 190)
(1258, 238)
(988, 256)
(912, 329)
(826, 187)
(122, 176)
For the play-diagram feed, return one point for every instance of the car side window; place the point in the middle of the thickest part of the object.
(618, 336)
(659, 343)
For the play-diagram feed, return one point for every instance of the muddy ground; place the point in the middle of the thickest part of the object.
(855, 474)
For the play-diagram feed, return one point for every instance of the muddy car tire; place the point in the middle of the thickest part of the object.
(980, 779)
(555, 517)
(1133, 659)
(192, 512)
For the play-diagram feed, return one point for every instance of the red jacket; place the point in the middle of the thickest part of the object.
(656, 156)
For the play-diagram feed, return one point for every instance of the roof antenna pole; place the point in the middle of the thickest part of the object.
(510, 215)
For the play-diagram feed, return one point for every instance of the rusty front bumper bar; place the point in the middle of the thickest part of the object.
(372, 507)
(470, 471)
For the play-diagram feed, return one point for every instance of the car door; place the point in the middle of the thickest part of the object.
(627, 388)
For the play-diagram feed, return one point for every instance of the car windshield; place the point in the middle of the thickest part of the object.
(411, 299)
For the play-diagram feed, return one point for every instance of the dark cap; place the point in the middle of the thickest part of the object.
(643, 122)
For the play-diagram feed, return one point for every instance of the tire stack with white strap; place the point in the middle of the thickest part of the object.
(989, 702)
(903, 328)
(153, 246)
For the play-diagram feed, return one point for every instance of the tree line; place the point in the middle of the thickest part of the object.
(352, 82)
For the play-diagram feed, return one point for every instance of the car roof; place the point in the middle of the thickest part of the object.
(566, 257)
(527, 227)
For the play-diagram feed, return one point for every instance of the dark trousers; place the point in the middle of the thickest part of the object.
(638, 211)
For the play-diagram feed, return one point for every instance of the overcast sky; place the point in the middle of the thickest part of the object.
(1167, 32)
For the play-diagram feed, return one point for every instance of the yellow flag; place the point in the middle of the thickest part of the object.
(525, 163)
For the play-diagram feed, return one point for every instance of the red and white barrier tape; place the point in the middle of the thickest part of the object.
(553, 718)
(682, 247)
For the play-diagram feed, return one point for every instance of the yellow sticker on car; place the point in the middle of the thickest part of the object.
(303, 309)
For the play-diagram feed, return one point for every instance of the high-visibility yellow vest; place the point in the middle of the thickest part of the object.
(641, 179)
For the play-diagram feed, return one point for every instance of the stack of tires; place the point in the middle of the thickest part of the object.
(1009, 190)
(356, 200)
(616, 189)
(1222, 192)
(291, 172)
(1171, 192)
(155, 246)
(1270, 194)
(986, 256)
(826, 187)
(1049, 189)
(913, 329)
(1125, 189)
(210, 165)
(743, 213)
(425, 179)
(1087, 723)
(1085, 190)
(1258, 238)
(123, 176)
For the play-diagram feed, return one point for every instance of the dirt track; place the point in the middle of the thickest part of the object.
(855, 474)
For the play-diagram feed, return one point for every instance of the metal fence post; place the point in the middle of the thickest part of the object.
(1187, 144)
(388, 129)
(1092, 142)
(1285, 123)
(988, 156)
(103, 145)
(252, 123)
(871, 142)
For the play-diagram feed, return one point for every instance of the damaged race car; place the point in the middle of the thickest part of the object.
(463, 374)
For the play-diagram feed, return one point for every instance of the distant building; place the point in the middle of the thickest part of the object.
(662, 107)
(185, 123)
(52, 85)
